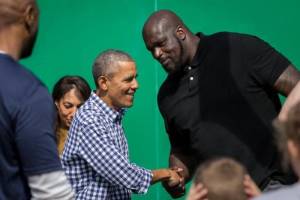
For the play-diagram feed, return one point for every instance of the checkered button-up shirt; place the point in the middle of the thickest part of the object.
(95, 156)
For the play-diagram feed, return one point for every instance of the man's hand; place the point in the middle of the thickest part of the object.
(197, 192)
(251, 188)
(175, 185)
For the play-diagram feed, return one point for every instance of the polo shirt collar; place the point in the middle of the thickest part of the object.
(200, 51)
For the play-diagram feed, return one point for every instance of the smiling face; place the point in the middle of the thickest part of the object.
(67, 106)
(120, 86)
(165, 46)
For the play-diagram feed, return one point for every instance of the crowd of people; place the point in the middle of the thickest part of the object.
(219, 103)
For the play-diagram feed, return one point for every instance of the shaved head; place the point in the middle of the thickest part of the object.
(165, 19)
(18, 27)
(11, 11)
(169, 40)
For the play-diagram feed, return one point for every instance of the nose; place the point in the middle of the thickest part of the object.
(157, 53)
(135, 84)
(73, 111)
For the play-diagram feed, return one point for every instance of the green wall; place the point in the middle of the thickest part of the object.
(73, 32)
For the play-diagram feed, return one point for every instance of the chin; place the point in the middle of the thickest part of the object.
(28, 46)
(171, 69)
(128, 105)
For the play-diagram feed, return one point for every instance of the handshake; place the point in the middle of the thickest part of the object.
(172, 180)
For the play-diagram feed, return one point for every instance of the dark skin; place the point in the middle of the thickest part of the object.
(18, 30)
(174, 46)
(169, 41)
(287, 80)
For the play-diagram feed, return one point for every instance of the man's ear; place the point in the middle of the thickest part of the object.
(30, 17)
(180, 33)
(103, 83)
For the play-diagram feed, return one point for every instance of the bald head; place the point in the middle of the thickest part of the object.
(169, 40)
(18, 27)
(11, 11)
(164, 19)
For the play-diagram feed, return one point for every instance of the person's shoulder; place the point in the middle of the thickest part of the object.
(230, 35)
(289, 192)
(15, 70)
(16, 77)
(89, 114)
(18, 85)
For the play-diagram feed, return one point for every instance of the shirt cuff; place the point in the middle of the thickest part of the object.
(145, 182)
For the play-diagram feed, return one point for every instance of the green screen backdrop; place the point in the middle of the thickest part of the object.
(73, 32)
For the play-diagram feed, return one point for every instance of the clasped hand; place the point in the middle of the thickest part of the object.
(175, 184)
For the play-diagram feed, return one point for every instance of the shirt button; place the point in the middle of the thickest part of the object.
(189, 67)
(191, 78)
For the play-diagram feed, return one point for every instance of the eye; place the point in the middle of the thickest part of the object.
(130, 78)
(163, 43)
(68, 105)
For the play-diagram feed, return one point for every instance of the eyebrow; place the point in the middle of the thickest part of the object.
(130, 76)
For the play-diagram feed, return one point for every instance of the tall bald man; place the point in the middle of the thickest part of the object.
(220, 97)
(29, 163)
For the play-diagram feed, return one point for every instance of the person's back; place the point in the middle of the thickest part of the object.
(20, 94)
(29, 164)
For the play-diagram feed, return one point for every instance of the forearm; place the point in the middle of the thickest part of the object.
(52, 185)
(160, 175)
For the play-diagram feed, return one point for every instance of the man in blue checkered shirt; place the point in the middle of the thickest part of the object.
(95, 157)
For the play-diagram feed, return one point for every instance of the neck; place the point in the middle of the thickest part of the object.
(194, 41)
(103, 96)
(62, 126)
(11, 42)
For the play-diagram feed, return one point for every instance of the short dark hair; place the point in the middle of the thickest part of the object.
(223, 178)
(105, 63)
(67, 83)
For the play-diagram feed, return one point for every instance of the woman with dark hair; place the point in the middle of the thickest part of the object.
(69, 93)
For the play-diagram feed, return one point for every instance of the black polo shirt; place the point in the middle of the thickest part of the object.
(27, 139)
(224, 103)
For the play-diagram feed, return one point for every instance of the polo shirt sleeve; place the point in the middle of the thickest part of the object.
(100, 152)
(35, 137)
(265, 63)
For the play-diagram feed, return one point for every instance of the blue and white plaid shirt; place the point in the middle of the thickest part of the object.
(95, 156)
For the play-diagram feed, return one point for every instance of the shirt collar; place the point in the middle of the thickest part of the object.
(2, 52)
(200, 51)
(113, 115)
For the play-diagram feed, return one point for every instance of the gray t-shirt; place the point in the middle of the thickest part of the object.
(289, 193)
